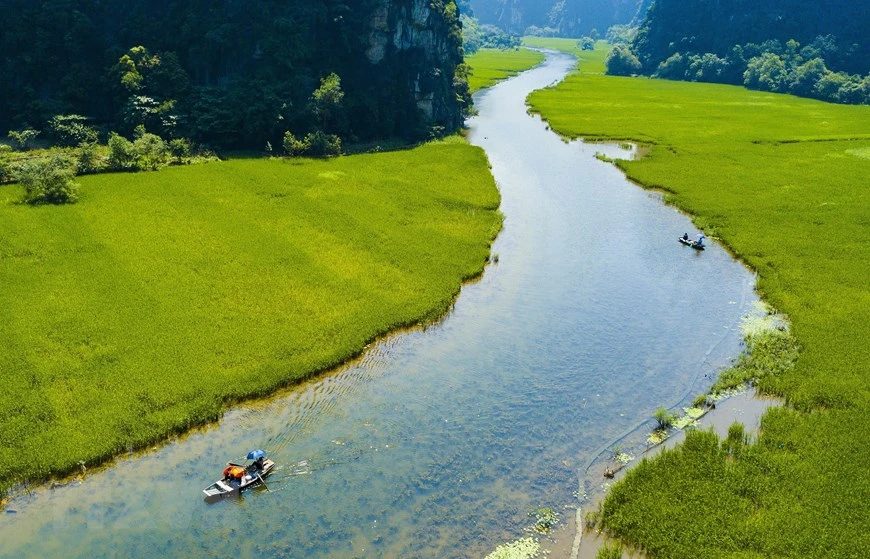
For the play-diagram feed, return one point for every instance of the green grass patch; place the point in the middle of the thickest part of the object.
(489, 66)
(782, 181)
(160, 298)
(591, 62)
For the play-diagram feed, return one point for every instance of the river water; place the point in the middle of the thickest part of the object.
(439, 442)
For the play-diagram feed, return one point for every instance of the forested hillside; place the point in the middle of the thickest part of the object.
(569, 18)
(232, 73)
(810, 48)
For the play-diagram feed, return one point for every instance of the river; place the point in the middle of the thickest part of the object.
(438, 442)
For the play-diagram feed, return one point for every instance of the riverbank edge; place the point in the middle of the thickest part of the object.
(434, 315)
(579, 525)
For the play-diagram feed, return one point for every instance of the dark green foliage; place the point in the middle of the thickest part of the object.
(586, 43)
(49, 180)
(621, 61)
(122, 155)
(227, 73)
(759, 45)
(150, 152)
(88, 159)
(315, 144)
(476, 36)
(293, 146)
(71, 130)
(180, 149)
(23, 139)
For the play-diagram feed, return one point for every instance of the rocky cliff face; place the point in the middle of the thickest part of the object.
(418, 40)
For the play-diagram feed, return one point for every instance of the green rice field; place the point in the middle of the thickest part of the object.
(782, 182)
(160, 298)
(489, 66)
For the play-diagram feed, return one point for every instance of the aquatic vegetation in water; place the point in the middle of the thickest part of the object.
(609, 551)
(545, 519)
(524, 548)
(658, 436)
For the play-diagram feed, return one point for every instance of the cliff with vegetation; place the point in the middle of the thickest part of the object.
(233, 73)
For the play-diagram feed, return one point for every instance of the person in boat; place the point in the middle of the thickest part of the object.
(259, 463)
(685, 236)
(700, 241)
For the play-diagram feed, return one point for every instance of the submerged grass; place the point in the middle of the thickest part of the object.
(782, 182)
(160, 298)
(489, 66)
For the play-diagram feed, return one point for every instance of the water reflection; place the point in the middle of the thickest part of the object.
(439, 443)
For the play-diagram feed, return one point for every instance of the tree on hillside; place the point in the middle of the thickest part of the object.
(621, 61)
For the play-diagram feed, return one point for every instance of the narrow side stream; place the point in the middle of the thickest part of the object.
(438, 443)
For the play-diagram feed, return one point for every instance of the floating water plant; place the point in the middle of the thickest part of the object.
(545, 519)
(524, 548)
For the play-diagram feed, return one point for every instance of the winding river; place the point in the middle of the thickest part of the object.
(439, 442)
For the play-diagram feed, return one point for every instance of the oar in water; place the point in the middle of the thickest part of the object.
(263, 481)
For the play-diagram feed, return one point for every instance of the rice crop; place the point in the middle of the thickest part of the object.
(782, 182)
(161, 298)
(489, 66)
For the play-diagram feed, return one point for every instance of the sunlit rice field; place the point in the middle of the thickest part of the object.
(162, 297)
(781, 181)
(489, 66)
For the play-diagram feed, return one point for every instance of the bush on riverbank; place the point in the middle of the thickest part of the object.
(781, 181)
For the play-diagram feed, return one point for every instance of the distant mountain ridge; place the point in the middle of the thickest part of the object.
(572, 18)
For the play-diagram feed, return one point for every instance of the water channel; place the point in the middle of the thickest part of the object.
(439, 442)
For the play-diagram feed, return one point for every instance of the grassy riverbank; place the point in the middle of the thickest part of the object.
(489, 66)
(162, 297)
(782, 182)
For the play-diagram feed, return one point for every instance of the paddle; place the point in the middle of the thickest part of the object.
(263, 481)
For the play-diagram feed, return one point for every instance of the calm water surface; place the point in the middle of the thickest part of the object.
(438, 443)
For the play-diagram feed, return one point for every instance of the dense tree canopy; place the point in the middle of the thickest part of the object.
(701, 26)
(811, 48)
(224, 72)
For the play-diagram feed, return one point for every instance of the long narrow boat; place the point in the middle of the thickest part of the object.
(689, 242)
(238, 477)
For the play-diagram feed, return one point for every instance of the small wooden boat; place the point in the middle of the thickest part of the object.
(694, 244)
(238, 477)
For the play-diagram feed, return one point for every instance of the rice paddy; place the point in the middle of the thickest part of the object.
(782, 182)
(489, 66)
(161, 298)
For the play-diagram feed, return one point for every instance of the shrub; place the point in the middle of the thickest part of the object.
(88, 159)
(323, 144)
(621, 61)
(180, 148)
(23, 139)
(586, 43)
(71, 130)
(292, 146)
(317, 144)
(150, 151)
(5, 171)
(674, 68)
(49, 180)
(122, 155)
(663, 418)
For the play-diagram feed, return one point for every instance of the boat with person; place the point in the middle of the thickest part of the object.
(238, 477)
(697, 245)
